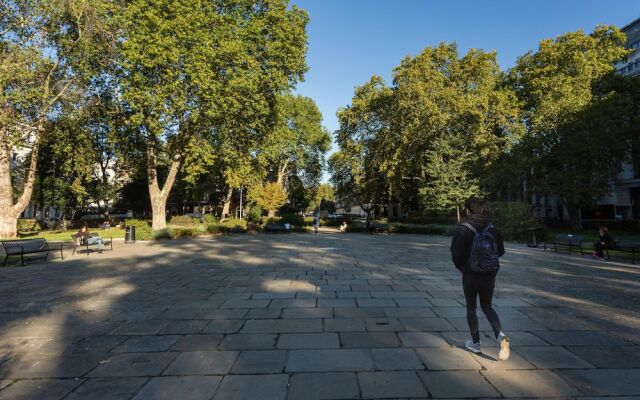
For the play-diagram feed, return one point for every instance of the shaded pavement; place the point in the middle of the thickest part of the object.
(302, 316)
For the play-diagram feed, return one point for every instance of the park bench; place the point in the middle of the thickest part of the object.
(624, 246)
(83, 242)
(275, 227)
(20, 247)
(567, 240)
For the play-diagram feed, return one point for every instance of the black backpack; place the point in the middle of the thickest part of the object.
(483, 257)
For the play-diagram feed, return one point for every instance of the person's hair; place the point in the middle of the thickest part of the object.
(473, 205)
(83, 227)
(604, 229)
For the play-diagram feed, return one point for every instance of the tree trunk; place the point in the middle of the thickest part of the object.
(159, 196)
(8, 225)
(10, 211)
(282, 173)
(573, 211)
(227, 203)
(158, 214)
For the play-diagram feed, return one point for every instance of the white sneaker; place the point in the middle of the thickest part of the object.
(505, 352)
(473, 347)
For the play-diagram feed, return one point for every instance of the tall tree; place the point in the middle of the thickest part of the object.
(47, 49)
(578, 115)
(449, 167)
(297, 142)
(191, 68)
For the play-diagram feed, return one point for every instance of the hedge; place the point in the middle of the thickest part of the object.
(28, 225)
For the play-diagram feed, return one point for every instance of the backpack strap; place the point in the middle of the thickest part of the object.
(470, 227)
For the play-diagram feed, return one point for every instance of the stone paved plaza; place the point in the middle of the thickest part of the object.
(311, 317)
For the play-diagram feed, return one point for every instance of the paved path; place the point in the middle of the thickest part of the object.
(311, 317)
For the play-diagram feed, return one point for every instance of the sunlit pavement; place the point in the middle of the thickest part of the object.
(303, 316)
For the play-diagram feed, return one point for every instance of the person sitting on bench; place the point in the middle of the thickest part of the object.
(605, 240)
(343, 226)
(83, 233)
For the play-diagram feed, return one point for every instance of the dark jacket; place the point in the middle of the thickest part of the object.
(461, 242)
(607, 239)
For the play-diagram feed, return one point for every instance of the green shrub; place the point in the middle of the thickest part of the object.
(424, 229)
(143, 228)
(184, 220)
(28, 225)
(255, 215)
(233, 225)
(512, 219)
(162, 234)
(213, 229)
(209, 219)
(293, 219)
(184, 232)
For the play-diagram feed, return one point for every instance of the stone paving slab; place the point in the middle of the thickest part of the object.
(530, 383)
(324, 386)
(251, 387)
(329, 360)
(41, 389)
(305, 316)
(378, 385)
(179, 387)
(133, 364)
(552, 357)
(457, 384)
(309, 341)
(605, 382)
(107, 389)
(202, 363)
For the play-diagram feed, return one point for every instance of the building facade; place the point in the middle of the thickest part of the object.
(623, 201)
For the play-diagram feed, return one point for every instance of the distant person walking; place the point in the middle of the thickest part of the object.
(316, 223)
(475, 249)
(604, 241)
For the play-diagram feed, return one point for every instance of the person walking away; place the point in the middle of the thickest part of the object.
(604, 241)
(475, 250)
(316, 223)
(83, 233)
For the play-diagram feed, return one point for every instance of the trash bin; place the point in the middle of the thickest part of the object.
(130, 234)
(532, 240)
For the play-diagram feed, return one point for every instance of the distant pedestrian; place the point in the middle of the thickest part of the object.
(604, 241)
(316, 223)
(475, 249)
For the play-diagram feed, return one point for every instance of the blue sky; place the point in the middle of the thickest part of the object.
(351, 40)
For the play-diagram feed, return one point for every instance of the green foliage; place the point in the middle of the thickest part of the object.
(214, 229)
(184, 232)
(297, 141)
(255, 214)
(209, 219)
(324, 198)
(512, 219)
(450, 179)
(401, 228)
(428, 229)
(579, 116)
(184, 221)
(28, 225)
(272, 196)
(162, 234)
(233, 225)
(143, 228)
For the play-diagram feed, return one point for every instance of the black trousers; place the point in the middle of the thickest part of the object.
(474, 286)
(599, 246)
